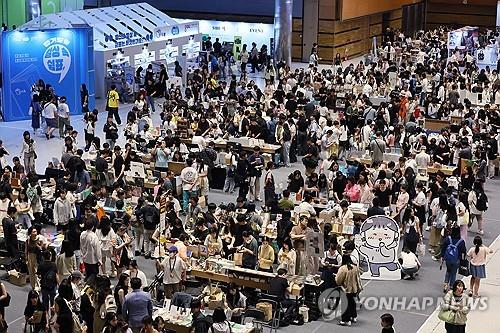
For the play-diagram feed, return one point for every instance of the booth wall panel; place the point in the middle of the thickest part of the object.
(326, 26)
(296, 39)
(297, 24)
(458, 14)
(359, 8)
(447, 19)
(296, 52)
(376, 30)
(327, 9)
(349, 25)
(325, 53)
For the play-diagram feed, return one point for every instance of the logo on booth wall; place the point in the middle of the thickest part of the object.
(57, 57)
(175, 30)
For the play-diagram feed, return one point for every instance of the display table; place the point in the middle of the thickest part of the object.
(435, 125)
(223, 270)
(180, 321)
(222, 145)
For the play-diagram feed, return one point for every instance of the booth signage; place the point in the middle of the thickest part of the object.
(59, 57)
(180, 30)
(122, 39)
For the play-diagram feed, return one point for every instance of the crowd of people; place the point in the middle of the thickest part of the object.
(323, 116)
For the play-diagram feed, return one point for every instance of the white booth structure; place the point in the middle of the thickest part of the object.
(129, 37)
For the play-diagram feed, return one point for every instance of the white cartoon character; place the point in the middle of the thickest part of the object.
(379, 244)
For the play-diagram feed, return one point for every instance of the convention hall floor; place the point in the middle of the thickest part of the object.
(427, 284)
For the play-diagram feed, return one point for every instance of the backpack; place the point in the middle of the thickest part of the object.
(481, 202)
(49, 281)
(451, 254)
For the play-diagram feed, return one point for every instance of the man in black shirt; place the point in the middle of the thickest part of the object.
(217, 47)
(338, 185)
(278, 287)
(239, 229)
(376, 209)
(383, 193)
(10, 233)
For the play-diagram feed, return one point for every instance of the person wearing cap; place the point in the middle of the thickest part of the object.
(174, 271)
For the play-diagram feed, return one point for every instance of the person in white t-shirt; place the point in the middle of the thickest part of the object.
(189, 178)
(409, 264)
(49, 114)
(63, 117)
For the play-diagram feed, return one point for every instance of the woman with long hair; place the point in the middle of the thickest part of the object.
(106, 236)
(412, 231)
(121, 290)
(33, 251)
(477, 255)
(65, 261)
(64, 317)
(35, 313)
(348, 278)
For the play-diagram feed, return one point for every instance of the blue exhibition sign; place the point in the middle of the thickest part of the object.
(62, 58)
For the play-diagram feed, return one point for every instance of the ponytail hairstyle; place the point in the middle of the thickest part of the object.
(478, 242)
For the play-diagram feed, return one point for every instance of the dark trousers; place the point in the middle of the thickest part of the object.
(113, 112)
(243, 189)
(91, 269)
(350, 312)
(48, 298)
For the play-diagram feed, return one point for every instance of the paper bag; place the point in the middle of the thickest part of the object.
(238, 259)
(202, 202)
(267, 308)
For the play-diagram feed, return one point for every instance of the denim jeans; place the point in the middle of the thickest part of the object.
(151, 102)
(286, 152)
(229, 183)
(451, 273)
(185, 198)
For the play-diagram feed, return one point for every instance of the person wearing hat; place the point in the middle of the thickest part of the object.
(174, 271)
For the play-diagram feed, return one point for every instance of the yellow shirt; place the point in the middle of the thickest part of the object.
(266, 252)
(113, 98)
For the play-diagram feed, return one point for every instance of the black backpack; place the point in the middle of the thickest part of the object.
(482, 201)
(49, 280)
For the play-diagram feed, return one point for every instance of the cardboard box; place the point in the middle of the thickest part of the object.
(267, 308)
(327, 215)
(295, 289)
(17, 278)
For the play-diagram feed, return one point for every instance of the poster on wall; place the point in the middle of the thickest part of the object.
(169, 53)
(144, 59)
(60, 57)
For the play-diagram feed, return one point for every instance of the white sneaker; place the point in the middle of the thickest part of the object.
(344, 323)
(427, 228)
(480, 232)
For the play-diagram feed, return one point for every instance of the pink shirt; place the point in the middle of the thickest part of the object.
(479, 258)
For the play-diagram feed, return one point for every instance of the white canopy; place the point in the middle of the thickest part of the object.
(118, 26)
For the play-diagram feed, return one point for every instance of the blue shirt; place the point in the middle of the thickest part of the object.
(137, 305)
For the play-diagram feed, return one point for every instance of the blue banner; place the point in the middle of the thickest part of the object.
(62, 58)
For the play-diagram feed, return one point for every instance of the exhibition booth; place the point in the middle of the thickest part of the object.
(232, 35)
(466, 40)
(62, 58)
(128, 37)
